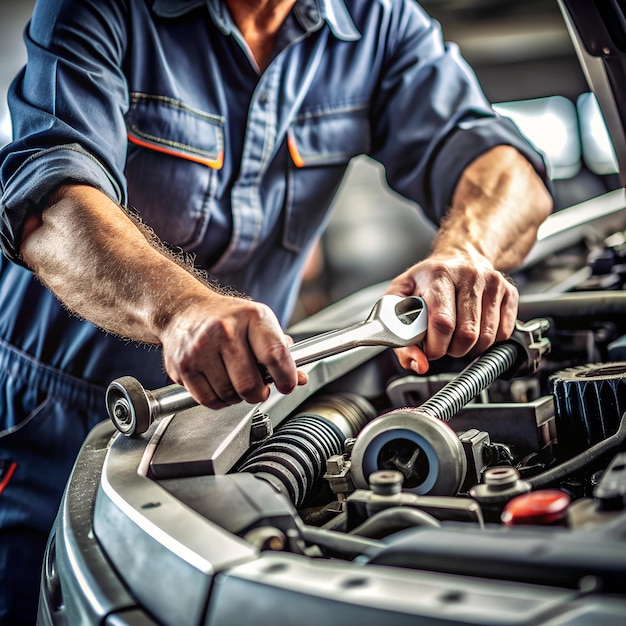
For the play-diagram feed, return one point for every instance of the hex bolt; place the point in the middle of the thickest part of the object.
(261, 428)
(500, 484)
(386, 482)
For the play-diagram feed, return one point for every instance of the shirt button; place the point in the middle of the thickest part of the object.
(263, 98)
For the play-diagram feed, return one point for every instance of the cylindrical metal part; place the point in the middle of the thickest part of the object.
(500, 484)
(133, 408)
(424, 449)
(415, 441)
(171, 399)
(471, 381)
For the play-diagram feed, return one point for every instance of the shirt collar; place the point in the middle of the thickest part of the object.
(309, 13)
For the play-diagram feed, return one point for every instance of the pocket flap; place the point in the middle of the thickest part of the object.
(330, 138)
(173, 127)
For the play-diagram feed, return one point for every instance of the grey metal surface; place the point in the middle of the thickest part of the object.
(79, 586)
(166, 552)
(286, 589)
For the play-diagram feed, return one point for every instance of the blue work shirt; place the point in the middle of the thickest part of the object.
(161, 106)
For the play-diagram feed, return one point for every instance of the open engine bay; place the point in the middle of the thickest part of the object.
(488, 491)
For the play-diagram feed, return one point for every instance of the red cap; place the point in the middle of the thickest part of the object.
(546, 506)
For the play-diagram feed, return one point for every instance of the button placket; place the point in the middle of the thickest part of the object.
(258, 149)
(267, 124)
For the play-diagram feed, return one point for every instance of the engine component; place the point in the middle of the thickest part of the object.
(294, 457)
(527, 425)
(589, 402)
(609, 498)
(476, 445)
(581, 460)
(386, 494)
(519, 355)
(500, 484)
(240, 503)
(418, 444)
(544, 507)
(393, 321)
(261, 428)
(425, 450)
(611, 490)
(338, 475)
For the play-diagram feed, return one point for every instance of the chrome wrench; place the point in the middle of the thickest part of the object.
(394, 321)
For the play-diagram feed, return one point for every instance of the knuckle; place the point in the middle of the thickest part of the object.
(246, 387)
(220, 331)
(257, 312)
(442, 324)
(465, 337)
(488, 333)
(186, 365)
(276, 353)
(229, 396)
(204, 396)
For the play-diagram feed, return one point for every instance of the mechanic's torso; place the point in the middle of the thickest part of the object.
(231, 163)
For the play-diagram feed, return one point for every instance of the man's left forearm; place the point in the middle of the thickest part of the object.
(497, 207)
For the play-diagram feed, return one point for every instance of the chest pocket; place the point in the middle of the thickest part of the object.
(320, 148)
(174, 153)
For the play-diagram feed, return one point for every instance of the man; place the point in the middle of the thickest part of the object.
(222, 130)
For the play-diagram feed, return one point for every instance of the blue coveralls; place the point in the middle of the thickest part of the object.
(160, 106)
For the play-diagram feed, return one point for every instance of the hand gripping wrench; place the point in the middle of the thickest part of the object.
(393, 321)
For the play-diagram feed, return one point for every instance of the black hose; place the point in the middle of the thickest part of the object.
(294, 458)
(581, 460)
(340, 544)
(393, 519)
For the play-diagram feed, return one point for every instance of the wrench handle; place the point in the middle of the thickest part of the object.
(321, 346)
(393, 321)
(335, 342)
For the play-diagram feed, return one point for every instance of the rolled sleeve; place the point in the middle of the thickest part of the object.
(467, 142)
(67, 106)
(431, 118)
(39, 175)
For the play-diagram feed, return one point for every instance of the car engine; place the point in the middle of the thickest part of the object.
(490, 490)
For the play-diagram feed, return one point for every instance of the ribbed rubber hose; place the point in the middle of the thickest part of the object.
(294, 458)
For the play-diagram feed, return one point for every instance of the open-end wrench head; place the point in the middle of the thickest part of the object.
(404, 320)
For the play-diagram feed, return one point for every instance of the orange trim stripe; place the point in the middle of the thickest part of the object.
(293, 151)
(7, 477)
(214, 164)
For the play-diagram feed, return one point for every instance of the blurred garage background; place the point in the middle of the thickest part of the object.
(524, 58)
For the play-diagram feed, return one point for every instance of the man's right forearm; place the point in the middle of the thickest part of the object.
(104, 268)
(100, 265)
